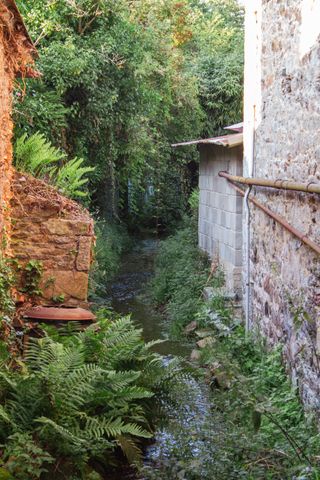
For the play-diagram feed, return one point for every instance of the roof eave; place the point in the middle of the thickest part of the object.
(228, 141)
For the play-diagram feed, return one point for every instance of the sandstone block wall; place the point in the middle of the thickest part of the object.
(286, 273)
(6, 80)
(56, 232)
(220, 211)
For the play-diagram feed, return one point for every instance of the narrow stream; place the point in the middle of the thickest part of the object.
(129, 295)
(182, 434)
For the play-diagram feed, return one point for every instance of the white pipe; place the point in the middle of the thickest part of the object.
(252, 112)
(248, 270)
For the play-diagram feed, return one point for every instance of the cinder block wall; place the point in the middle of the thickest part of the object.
(220, 211)
(55, 231)
(285, 272)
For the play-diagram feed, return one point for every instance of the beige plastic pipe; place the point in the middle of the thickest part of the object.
(279, 184)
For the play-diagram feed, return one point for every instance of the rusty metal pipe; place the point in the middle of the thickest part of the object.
(303, 238)
(279, 184)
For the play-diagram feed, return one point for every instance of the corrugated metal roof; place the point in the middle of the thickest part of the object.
(237, 127)
(229, 141)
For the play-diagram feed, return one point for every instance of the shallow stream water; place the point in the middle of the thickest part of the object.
(182, 427)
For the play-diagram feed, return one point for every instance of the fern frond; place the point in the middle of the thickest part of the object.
(153, 343)
(130, 449)
(133, 393)
(35, 154)
(4, 415)
(136, 430)
(7, 379)
(62, 431)
(120, 380)
(70, 178)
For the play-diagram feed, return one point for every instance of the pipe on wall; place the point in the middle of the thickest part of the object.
(248, 269)
(270, 183)
(303, 238)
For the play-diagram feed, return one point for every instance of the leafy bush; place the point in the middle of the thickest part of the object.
(37, 156)
(77, 398)
(124, 80)
(181, 272)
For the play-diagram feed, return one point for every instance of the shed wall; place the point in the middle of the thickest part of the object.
(220, 211)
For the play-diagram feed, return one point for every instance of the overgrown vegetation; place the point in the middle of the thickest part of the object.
(74, 400)
(123, 80)
(256, 427)
(37, 156)
(181, 273)
(111, 242)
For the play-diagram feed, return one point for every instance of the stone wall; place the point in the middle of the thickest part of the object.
(6, 79)
(220, 211)
(55, 231)
(285, 272)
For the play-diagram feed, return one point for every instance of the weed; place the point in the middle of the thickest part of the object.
(58, 298)
(257, 428)
(31, 276)
(7, 280)
(181, 273)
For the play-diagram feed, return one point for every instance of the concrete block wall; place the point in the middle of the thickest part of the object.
(220, 211)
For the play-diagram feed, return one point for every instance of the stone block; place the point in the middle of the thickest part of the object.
(70, 284)
(59, 226)
(84, 256)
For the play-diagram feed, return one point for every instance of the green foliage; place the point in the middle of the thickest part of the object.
(23, 458)
(31, 276)
(112, 240)
(181, 273)
(261, 408)
(256, 427)
(220, 65)
(79, 398)
(70, 178)
(122, 81)
(7, 280)
(37, 156)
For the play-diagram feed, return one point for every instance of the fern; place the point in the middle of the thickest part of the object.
(37, 156)
(84, 395)
(70, 178)
(130, 449)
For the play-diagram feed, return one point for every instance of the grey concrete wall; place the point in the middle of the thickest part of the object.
(285, 272)
(220, 211)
